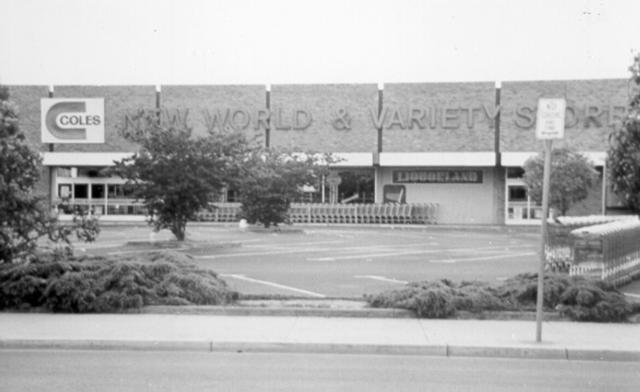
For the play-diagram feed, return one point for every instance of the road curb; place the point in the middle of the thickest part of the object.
(556, 353)
(279, 311)
(604, 355)
(284, 311)
(109, 345)
(507, 352)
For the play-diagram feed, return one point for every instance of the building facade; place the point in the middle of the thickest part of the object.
(460, 145)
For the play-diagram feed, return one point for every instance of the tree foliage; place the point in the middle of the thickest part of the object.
(623, 156)
(175, 173)
(24, 217)
(572, 175)
(272, 179)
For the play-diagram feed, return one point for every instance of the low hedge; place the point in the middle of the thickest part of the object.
(574, 297)
(109, 284)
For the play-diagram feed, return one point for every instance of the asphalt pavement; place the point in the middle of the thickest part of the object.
(338, 261)
(344, 261)
(137, 371)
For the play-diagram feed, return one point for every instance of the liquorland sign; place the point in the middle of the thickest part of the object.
(72, 120)
(437, 177)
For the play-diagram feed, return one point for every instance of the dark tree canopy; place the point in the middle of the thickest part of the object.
(623, 156)
(20, 209)
(24, 216)
(272, 179)
(572, 175)
(175, 173)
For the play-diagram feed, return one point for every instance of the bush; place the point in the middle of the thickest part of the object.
(586, 301)
(574, 297)
(521, 291)
(98, 284)
(434, 304)
(440, 298)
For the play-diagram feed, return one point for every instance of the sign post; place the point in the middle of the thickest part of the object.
(549, 126)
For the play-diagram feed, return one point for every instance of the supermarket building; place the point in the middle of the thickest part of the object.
(460, 145)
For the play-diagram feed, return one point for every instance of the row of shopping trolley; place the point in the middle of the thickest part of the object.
(389, 213)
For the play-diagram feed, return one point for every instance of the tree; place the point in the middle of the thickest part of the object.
(572, 175)
(176, 174)
(24, 216)
(623, 156)
(272, 179)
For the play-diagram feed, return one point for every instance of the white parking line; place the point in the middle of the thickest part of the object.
(447, 261)
(381, 278)
(386, 253)
(99, 245)
(280, 252)
(126, 252)
(289, 250)
(290, 245)
(272, 284)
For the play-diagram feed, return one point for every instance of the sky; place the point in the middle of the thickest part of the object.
(316, 41)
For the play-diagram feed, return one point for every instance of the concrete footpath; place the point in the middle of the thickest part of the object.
(480, 338)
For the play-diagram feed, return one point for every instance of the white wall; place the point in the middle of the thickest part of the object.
(458, 203)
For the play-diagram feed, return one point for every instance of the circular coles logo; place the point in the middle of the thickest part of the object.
(72, 120)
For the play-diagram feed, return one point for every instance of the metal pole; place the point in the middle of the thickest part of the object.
(548, 146)
(604, 188)
(52, 172)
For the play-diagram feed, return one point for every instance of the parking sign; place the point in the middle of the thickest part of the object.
(550, 118)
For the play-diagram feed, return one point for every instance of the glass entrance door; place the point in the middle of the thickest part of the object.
(520, 209)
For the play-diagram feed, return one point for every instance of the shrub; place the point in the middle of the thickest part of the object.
(98, 284)
(574, 297)
(586, 301)
(522, 290)
(440, 298)
(477, 297)
(434, 304)
(22, 285)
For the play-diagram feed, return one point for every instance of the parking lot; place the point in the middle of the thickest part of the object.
(322, 261)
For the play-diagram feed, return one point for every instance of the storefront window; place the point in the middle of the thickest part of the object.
(517, 193)
(64, 191)
(232, 196)
(81, 191)
(115, 191)
(97, 191)
(356, 186)
(515, 172)
(64, 172)
(394, 194)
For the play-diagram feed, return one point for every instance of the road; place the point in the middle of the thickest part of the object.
(52, 371)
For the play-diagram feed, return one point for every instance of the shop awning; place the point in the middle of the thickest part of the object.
(350, 159)
(517, 159)
(82, 158)
(438, 159)
(353, 159)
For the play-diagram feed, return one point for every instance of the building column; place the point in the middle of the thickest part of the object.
(377, 184)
